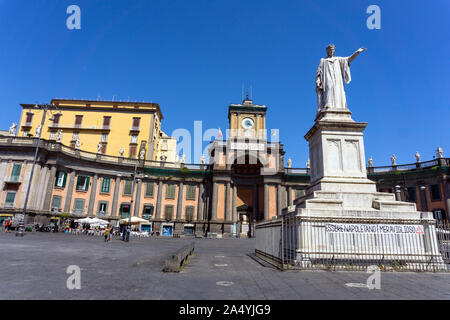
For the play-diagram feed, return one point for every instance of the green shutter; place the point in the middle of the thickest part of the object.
(170, 191)
(56, 203)
(127, 188)
(190, 192)
(78, 183)
(149, 189)
(56, 178)
(64, 180)
(189, 214)
(10, 196)
(16, 170)
(86, 185)
(106, 182)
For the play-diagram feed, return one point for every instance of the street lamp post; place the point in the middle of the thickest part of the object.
(21, 229)
(127, 237)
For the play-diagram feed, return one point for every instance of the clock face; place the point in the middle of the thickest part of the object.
(247, 123)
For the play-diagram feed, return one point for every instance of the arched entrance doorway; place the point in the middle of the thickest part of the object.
(246, 177)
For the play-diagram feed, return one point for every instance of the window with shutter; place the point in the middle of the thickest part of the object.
(127, 186)
(170, 191)
(102, 207)
(435, 192)
(124, 210)
(9, 200)
(15, 173)
(411, 194)
(132, 151)
(189, 214)
(190, 192)
(29, 118)
(149, 189)
(299, 193)
(78, 206)
(56, 120)
(136, 123)
(106, 183)
(106, 122)
(56, 203)
(61, 179)
(148, 211)
(168, 212)
(82, 183)
(78, 120)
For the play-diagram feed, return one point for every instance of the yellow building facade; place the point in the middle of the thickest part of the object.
(123, 129)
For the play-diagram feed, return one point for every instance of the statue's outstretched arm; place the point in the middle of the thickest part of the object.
(353, 56)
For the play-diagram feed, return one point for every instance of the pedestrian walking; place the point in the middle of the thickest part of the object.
(107, 231)
(124, 233)
(7, 225)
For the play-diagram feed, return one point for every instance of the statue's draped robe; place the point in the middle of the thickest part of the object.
(331, 74)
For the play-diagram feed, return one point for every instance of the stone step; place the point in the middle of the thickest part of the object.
(393, 205)
(324, 204)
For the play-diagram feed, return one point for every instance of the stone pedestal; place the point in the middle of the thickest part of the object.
(338, 171)
(342, 214)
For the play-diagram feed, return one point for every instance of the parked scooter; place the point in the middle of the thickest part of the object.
(41, 228)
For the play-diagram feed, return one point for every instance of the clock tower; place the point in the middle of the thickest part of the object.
(247, 120)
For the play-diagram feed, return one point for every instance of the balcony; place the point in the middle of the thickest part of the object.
(13, 180)
(27, 125)
(79, 127)
(135, 129)
(9, 205)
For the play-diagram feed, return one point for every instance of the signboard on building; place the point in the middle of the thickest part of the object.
(247, 146)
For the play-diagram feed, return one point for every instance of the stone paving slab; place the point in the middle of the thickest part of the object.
(34, 267)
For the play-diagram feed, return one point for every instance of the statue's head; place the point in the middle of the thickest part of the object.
(330, 50)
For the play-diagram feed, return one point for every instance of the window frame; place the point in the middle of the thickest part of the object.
(102, 185)
(102, 202)
(148, 205)
(14, 177)
(146, 194)
(166, 207)
(78, 200)
(121, 210)
(125, 184)
(58, 177)
(193, 190)
(409, 192)
(186, 213)
(12, 203)
(53, 201)
(170, 185)
(437, 188)
(86, 183)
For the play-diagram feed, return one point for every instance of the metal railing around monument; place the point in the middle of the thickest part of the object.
(335, 247)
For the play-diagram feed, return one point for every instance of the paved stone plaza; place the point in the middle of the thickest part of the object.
(34, 267)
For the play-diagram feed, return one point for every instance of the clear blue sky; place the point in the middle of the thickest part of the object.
(192, 57)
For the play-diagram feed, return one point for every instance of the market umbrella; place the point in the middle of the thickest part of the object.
(98, 221)
(84, 220)
(134, 220)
